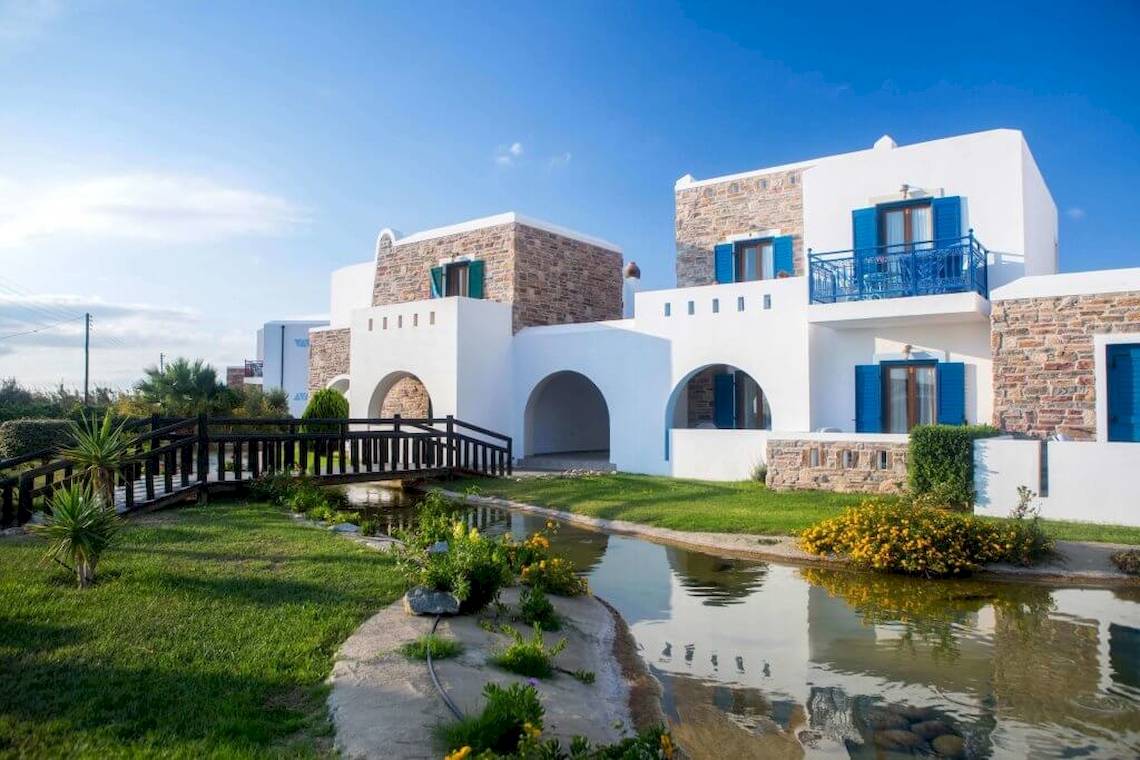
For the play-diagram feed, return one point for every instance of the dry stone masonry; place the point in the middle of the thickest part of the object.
(1044, 365)
(408, 398)
(843, 466)
(708, 214)
(328, 356)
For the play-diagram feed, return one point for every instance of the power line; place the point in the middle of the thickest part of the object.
(41, 329)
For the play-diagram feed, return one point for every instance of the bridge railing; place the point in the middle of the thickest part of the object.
(173, 457)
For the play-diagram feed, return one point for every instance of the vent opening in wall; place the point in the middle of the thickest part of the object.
(740, 303)
(884, 460)
(415, 320)
(692, 308)
(767, 300)
(848, 459)
(431, 317)
(813, 458)
(668, 309)
(716, 306)
(370, 324)
(384, 323)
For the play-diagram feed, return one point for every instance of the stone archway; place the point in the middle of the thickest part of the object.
(400, 393)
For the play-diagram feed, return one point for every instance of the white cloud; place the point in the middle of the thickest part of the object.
(508, 155)
(150, 207)
(24, 19)
(559, 161)
(1075, 213)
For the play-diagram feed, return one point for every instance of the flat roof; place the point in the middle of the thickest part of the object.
(510, 217)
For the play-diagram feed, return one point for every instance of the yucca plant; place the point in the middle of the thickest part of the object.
(80, 527)
(99, 450)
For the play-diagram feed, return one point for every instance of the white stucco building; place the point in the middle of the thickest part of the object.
(283, 360)
(824, 308)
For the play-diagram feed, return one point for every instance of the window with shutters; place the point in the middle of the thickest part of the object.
(456, 279)
(909, 395)
(754, 261)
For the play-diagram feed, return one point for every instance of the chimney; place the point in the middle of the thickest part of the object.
(631, 283)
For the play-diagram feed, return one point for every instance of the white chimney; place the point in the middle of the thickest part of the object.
(631, 283)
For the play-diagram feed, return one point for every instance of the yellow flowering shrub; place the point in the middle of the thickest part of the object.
(554, 576)
(917, 540)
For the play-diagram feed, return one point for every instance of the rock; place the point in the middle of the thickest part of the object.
(439, 547)
(423, 601)
(13, 532)
(881, 720)
(345, 528)
(896, 738)
(914, 713)
(949, 745)
(928, 729)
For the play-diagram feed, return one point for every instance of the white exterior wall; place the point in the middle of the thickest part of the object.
(1088, 481)
(638, 363)
(1004, 199)
(836, 352)
(718, 454)
(351, 289)
(288, 370)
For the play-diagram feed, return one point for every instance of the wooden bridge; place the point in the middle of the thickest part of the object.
(181, 459)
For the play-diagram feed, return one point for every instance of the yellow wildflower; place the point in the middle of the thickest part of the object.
(666, 746)
(459, 754)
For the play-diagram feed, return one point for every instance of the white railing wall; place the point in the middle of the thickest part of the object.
(1081, 480)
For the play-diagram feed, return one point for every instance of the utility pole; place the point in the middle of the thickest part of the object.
(161, 362)
(86, 356)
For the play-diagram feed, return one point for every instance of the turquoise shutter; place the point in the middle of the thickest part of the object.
(437, 282)
(475, 279)
(951, 393)
(947, 218)
(724, 400)
(722, 258)
(783, 258)
(1123, 391)
(864, 235)
(868, 399)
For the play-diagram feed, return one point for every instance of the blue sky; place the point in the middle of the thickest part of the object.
(189, 170)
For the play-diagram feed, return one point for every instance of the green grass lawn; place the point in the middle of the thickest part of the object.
(696, 505)
(210, 631)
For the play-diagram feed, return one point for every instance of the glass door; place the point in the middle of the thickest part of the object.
(911, 396)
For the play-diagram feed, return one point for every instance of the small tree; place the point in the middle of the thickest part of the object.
(100, 450)
(183, 389)
(81, 526)
(325, 404)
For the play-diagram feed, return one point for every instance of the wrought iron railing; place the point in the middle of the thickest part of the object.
(254, 368)
(958, 265)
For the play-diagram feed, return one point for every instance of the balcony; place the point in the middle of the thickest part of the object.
(926, 268)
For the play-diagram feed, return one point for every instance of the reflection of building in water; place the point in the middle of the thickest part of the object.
(717, 580)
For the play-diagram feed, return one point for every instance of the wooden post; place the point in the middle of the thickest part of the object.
(24, 510)
(510, 464)
(203, 449)
(450, 442)
(397, 443)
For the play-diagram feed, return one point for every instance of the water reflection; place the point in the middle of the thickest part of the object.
(765, 660)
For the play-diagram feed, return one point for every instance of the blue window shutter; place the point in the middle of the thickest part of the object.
(1123, 392)
(865, 230)
(475, 279)
(947, 218)
(436, 282)
(722, 257)
(951, 393)
(868, 399)
(783, 259)
(724, 400)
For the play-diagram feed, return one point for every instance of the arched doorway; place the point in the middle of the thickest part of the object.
(400, 393)
(717, 396)
(566, 424)
(340, 383)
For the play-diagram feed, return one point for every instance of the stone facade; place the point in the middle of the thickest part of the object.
(707, 214)
(1044, 367)
(549, 279)
(700, 397)
(843, 466)
(408, 398)
(328, 356)
(235, 377)
(560, 280)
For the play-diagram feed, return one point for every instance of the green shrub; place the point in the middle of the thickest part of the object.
(942, 457)
(903, 538)
(528, 657)
(554, 576)
(509, 714)
(1128, 561)
(79, 528)
(440, 648)
(760, 473)
(325, 404)
(274, 488)
(536, 610)
(473, 568)
(585, 676)
(19, 437)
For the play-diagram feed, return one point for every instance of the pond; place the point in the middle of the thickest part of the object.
(758, 659)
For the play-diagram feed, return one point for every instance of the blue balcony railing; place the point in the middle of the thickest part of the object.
(932, 267)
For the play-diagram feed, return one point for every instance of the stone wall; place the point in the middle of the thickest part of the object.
(1043, 363)
(700, 397)
(549, 279)
(843, 466)
(408, 398)
(235, 377)
(328, 356)
(708, 214)
(559, 280)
